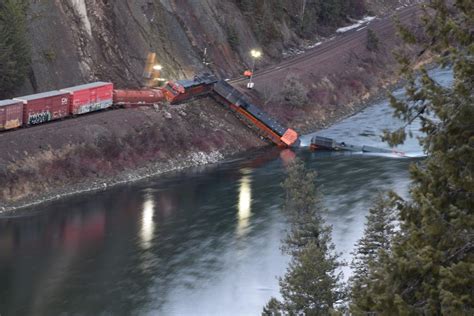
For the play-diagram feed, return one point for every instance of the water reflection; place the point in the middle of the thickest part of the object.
(245, 201)
(216, 248)
(148, 227)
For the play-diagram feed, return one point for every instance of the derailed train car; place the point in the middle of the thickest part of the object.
(183, 90)
(265, 124)
(129, 98)
(44, 107)
(224, 93)
(174, 92)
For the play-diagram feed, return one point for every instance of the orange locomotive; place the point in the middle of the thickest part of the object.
(268, 127)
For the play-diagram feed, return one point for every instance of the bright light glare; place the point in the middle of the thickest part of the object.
(157, 67)
(148, 227)
(255, 53)
(245, 204)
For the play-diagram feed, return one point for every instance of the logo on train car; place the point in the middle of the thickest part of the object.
(38, 118)
(64, 101)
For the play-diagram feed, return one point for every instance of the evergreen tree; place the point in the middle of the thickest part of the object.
(430, 270)
(312, 284)
(372, 41)
(294, 92)
(370, 251)
(14, 48)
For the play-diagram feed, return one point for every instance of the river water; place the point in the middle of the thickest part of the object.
(204, 241)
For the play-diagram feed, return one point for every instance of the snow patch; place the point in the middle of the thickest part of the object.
(344, 29)
(314, 45)
(292, 52)
(80, 6)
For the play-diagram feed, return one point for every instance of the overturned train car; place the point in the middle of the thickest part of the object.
(263, 122)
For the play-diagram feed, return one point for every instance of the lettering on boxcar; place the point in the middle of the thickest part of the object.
(38, 118)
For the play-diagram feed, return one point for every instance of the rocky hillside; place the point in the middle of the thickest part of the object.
(77, 41)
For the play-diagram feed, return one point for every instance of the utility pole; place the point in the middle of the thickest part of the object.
(256, 54)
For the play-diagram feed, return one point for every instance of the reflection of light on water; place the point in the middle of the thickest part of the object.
(148, 227)
(245, 203)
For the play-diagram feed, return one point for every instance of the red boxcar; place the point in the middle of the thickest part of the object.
(11, 114)
(90, 97)
(44, 107)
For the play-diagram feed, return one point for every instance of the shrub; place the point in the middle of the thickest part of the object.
(232, 37)
(294, 93)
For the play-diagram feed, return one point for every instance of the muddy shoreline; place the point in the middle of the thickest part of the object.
(106, 183)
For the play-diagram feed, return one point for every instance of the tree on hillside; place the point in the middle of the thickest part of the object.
(372, 41)
(294, 93)
(312, 284)
(14, 48)
(371, 250)
(306, 17)
(329, 13)
(430, 269)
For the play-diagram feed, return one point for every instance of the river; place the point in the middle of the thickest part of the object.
(204, 241)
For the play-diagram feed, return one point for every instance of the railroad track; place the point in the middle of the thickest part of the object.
(346, 38)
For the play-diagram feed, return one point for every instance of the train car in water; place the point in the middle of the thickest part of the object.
(11, 114)
(44, 107)
(90, 97)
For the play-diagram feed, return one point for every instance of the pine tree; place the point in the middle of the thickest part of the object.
(431, 267)
(312, 284)
(370, 251)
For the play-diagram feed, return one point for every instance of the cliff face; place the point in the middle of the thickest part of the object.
(77, 41)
